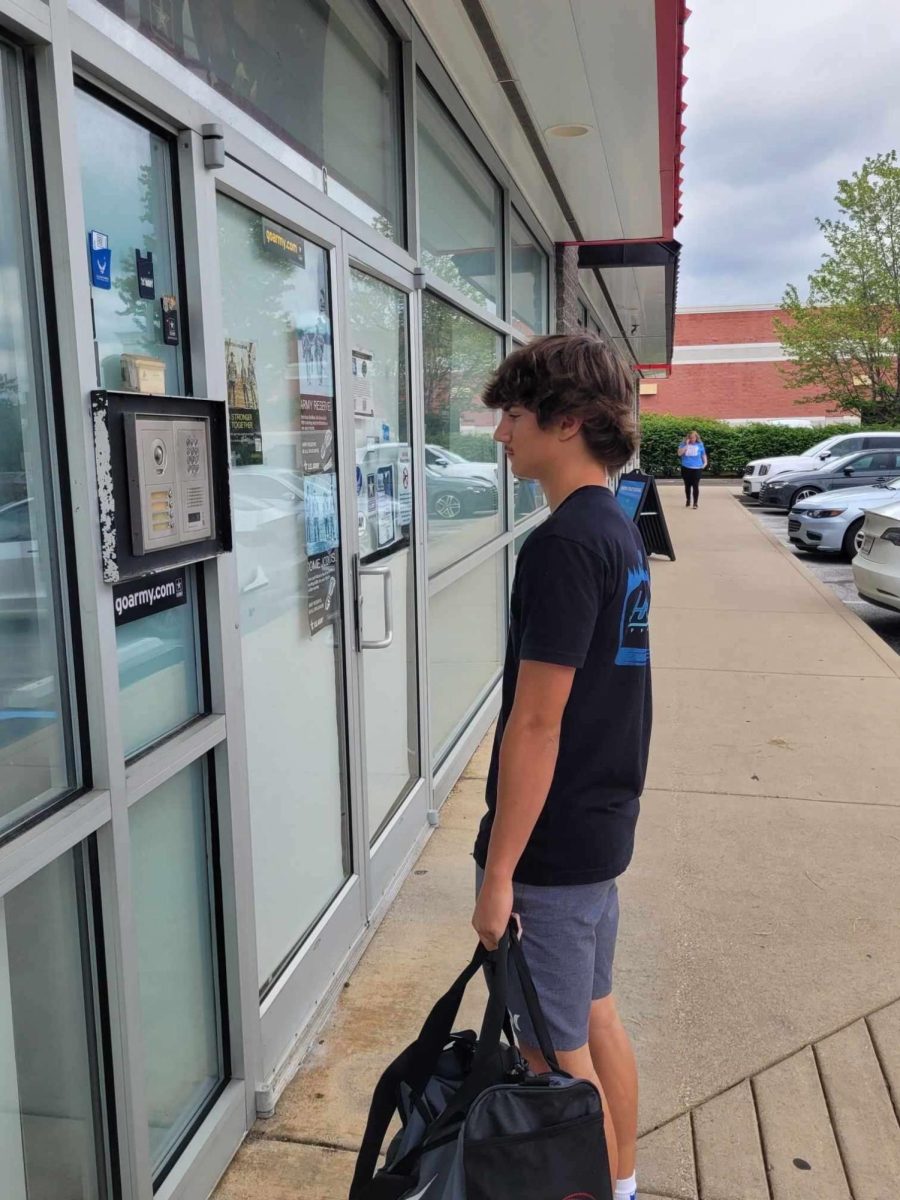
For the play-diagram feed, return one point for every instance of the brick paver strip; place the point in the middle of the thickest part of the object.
(864, 1119)
(884, 1027)
(665, 1161)
(729, 1155)
(801, 1153)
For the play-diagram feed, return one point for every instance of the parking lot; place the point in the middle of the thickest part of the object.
(833, 570)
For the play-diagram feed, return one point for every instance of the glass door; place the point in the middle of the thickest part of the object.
(379, 377)
(277, 263)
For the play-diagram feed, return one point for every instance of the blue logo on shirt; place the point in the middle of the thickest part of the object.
(634, 634)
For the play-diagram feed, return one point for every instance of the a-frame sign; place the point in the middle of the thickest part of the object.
(638, 495)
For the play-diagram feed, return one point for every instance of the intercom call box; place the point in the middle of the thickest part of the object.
(169, 473)
(162, 481)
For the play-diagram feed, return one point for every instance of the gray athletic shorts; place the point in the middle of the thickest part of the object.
(569, 939)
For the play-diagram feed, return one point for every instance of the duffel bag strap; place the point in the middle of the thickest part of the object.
(485, 1064)
(414, 1066)
(532, 1001)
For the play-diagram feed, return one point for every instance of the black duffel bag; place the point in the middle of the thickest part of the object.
(477, 1124)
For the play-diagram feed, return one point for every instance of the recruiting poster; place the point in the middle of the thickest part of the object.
(404, 488)
(320, 511)
(629, 494)
(322, 592)
(363, 400)
(314, 353)
(384, 506)
(243, 403)
(316, 434)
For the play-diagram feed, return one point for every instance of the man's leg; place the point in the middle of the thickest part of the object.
(579, 1063)
(613, 1058)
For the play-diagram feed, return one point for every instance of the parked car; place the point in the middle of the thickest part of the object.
(833, 523)
(876, 568)
(22, 588)
(448, 462)
(451, 499)
(855, 470)
(760, 470)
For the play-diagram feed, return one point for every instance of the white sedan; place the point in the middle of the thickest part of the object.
(876, 568)
(832, 522)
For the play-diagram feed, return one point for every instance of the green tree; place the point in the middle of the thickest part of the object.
(844, 339)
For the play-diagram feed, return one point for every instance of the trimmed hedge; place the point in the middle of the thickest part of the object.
(476, 447)
(728, 447)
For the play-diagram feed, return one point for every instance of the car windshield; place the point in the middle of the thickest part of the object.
(820, 447)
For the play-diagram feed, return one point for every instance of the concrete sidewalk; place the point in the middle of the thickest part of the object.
(759, 956)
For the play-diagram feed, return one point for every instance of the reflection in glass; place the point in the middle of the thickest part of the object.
(36, 757)
(530, 276)
(381, 402)
(462, 480)
(171, 876)
(128, 198)
(51, 1136)
(127, 187)
(277, 323)
(158, 684)
(460, 208)
(324, 75)
(529, 497)
(466, 639)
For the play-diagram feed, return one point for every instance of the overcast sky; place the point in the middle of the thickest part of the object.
(784, 97)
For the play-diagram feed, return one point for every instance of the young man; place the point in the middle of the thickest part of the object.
(571, 748)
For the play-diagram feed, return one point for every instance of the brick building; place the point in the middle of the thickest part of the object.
(727, 364)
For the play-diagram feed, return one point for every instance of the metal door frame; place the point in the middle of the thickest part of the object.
(306, 982)
(400, 842)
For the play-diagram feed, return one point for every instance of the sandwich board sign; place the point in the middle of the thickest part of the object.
(638, 497)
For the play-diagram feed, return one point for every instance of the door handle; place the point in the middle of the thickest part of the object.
(385, 574)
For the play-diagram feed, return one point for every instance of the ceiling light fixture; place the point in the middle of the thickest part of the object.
(575, 130)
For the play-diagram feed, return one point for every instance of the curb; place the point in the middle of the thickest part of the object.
(888, 656)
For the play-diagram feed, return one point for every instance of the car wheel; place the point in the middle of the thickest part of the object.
(448, 506)
(853, 539)
(803, 494)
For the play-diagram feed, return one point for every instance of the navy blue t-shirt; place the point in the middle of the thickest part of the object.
(581, 598)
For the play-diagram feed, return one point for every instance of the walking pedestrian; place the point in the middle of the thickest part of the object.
(570, 752)
(692, 453)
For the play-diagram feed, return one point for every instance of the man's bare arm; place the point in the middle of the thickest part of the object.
(528, 757)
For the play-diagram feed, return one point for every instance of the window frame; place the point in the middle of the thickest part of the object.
(20, 108)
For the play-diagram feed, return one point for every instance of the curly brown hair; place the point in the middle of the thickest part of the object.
(572, 375)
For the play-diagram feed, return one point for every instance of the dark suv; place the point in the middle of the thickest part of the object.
(853, 470)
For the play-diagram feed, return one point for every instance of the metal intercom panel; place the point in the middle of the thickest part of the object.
(162, 480)
(169, 475)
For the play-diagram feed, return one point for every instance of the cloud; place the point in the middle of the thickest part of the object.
(785, 97)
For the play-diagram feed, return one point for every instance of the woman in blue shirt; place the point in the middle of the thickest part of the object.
(692, 453)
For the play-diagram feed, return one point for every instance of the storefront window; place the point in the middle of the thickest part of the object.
(466, 638)
(463, 484)
(278, 351)
(51, 1125)
(159, 684)
(37, 760)
(127, 186)
(171, 874)
(459, 208)
(530, 287)
(324, 75)
(529, 496)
